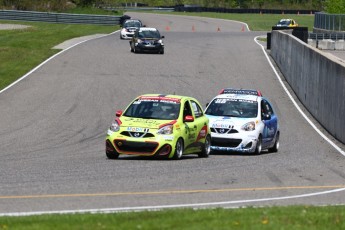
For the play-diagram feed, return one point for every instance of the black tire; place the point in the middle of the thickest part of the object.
(178, 149)
(205, 152)
(112, 154)
(275, 147)
(162, 51)
(258, 146)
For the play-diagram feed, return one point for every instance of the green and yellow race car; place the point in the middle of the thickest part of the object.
(167, 126)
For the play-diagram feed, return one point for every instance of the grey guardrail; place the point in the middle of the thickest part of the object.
(321, 36)
(59, 17)
(316, 78)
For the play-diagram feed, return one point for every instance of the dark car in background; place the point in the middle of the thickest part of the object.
(147, 39)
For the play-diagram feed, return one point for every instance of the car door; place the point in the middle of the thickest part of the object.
(200, 123)
(271, 122)
(189, 127)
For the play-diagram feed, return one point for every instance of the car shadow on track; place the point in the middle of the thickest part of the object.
(233, 153)
(150, 158)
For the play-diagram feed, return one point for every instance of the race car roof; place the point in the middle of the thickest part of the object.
(147, 29)
(241, 91)
(249, 97)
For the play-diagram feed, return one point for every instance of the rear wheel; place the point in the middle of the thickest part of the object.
(178, 149)
(205, 152)
(276, 145)
(258, 147)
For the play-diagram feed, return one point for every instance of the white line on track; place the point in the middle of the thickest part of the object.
(161, 207)
(296, 105)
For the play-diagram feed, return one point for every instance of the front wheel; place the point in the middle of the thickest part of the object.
(275, 146)
(205, 152)
(112, 154)
(178, 149)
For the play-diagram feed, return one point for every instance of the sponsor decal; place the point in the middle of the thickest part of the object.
(159, 99)
(137, 129)
(202, 133)
(168, 138)
(221, 125)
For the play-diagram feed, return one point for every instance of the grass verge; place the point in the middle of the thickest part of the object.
(256, 22)
(294, 217)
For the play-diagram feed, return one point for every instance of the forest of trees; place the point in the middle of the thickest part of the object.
(330, 6)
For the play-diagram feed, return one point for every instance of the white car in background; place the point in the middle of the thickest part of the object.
(242, 121)
(129, 27)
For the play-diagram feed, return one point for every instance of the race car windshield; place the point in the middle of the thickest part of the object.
(156, 109)
(233, 108)
(132, 24)
(284, 22)
(149, 34)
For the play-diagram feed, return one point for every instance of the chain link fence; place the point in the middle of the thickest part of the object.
(329, 22)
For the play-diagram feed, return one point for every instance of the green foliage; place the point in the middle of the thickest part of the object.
(335, 6)
(59, 5)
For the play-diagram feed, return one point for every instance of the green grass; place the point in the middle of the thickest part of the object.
(257, 22)
(294, 217)
(91, 10)
(21, 50)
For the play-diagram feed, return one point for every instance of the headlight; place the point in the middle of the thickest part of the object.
(114, 126)
(250, 126)
(165, 130)
(139, 41)
(160, 41)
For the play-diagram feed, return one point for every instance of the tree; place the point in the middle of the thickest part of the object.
(335, 6)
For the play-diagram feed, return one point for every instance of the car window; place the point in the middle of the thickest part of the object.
(197, 110)
(187, 110)
(132, 24)
(232, 107)
(153, 109)
(266, 107)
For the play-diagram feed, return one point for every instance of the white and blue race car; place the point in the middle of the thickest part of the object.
(129, 27)
(242, 121)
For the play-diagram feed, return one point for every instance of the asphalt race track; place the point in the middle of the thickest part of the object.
(53, 126)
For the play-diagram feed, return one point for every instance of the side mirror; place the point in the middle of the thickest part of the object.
(162, 37)
(266, 116)
(188, 118)
(207, 104)
(118, 113)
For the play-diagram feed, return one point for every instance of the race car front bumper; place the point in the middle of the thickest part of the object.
(233, 142)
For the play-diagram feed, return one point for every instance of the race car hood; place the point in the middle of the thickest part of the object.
(149, 40)
(226, 122)
(143, 123)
